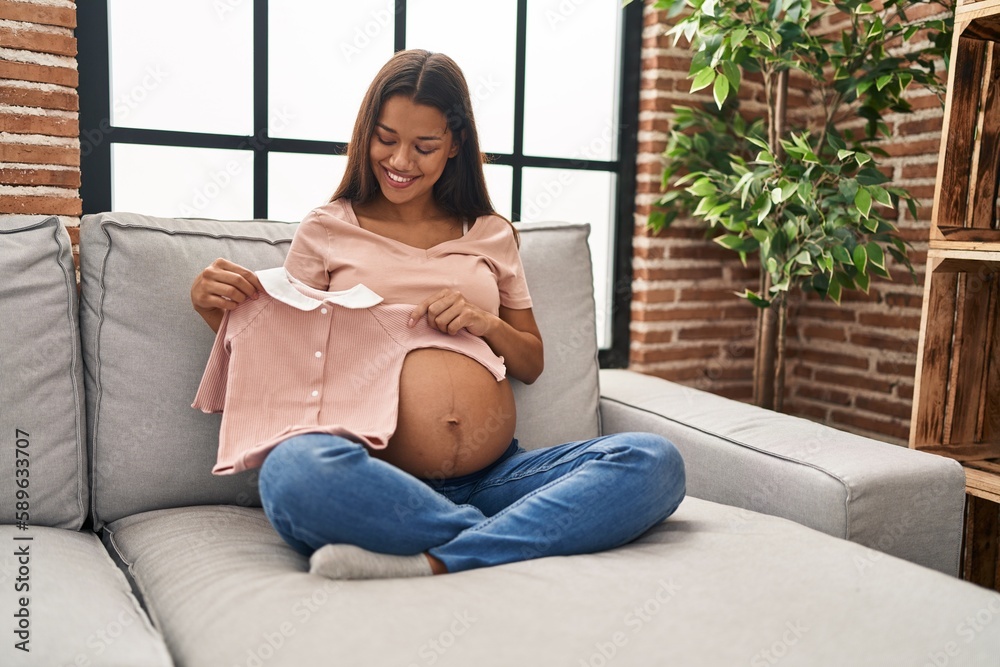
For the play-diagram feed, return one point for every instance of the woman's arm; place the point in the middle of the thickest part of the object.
(221, 287)
(513, 335)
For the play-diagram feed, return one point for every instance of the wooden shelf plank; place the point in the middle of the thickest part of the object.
(982, 484)
(973, 453)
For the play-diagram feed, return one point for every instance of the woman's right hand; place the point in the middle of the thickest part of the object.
(222, 286)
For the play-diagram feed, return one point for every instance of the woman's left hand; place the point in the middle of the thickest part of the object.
(449, 312)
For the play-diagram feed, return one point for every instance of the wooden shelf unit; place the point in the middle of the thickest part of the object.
(956, 408)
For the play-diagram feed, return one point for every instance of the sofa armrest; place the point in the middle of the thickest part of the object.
(895, 500)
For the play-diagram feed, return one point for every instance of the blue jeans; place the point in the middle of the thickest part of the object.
(580, 497)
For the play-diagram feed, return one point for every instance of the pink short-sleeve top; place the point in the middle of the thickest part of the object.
(331, 251)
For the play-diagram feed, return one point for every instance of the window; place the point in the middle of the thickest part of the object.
(248, 114)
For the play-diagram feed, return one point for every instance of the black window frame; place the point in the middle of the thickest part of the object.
(97, 135)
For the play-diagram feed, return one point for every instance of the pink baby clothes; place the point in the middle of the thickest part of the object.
(298, 360)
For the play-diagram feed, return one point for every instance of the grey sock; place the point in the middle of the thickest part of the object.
(347, 561)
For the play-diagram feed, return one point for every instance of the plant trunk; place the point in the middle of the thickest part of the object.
(779, 365)
(769, 357)
(764, 355)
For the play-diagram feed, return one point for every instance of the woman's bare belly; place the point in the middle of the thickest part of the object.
(454, 417)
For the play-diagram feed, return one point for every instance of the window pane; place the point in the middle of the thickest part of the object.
(571, 87)
(480, 37)
(322, 57)
(298, 183)
(182, 182)
(182, 65)
(579, 196)
(500, 183)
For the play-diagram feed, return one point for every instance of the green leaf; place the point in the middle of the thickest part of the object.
(763, 38)
(720, 90)
(883, 81)
(875, 255)
(844, 153)
(860, 259)
(730, 241)
(863, 281)
(804, 258)
(732, 73)
(703, 79)
(833, 292)
(863, 8)
(702, 187)
(755, 299)
(776, 196)
(880, 195)
(737, 36)
(841, 255)
(863, 201)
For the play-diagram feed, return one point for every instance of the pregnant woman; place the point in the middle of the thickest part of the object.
(451, 489)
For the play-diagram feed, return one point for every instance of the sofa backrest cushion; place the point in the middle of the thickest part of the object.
(42, 448)
(145, 350)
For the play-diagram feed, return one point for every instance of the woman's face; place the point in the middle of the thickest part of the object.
(409, 149)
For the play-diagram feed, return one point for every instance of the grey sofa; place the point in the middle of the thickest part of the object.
(798, 544)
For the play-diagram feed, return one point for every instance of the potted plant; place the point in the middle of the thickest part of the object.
(802, 192)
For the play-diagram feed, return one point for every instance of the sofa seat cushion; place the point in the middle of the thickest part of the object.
(80, 609)
(41, 376)
(712, 585)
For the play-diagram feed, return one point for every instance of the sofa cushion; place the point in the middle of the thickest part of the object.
(41, 376)
(900, 501)
(145, 350)
(80, 609)
(712, 585)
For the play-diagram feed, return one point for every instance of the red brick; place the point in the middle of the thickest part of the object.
(63, 17)
(852, 380)
(60, 177)
(823, 394)
(897, 368)
(685, 273)
(709, 332)
(41, 42)
(827, 333)
(919, 147)
(888, 343)
(855, 421)
(705, 294)
(825, 358)
(910, 322)
(62, 76)
(48, 125)
(74, 234)
(654, 296)
(807, 410)
(676, 353)
(45, 99)
(932, 124)
(41, 205)
(905, 391)
(898, 300)
(651, 337)
(40, 154)
(884, 407)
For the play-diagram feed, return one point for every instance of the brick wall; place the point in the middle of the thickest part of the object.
(39, 119)
(852, 365)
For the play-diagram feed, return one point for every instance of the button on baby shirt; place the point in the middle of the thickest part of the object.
(299, 360)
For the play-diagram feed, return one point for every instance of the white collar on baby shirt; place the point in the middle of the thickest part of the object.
(285, 288)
